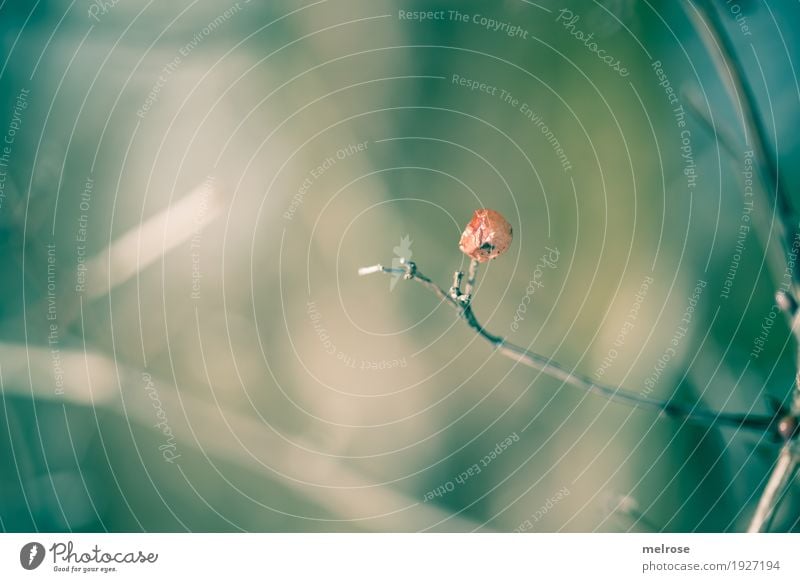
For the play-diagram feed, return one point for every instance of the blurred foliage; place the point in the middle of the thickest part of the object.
(275, 432)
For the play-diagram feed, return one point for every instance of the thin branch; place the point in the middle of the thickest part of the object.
(762, 423)
(780, 481)
(472, 274)
(786, 467)
(455, 289)
(720, 133)
(709, 25)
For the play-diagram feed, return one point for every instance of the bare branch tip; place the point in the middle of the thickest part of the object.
(370, 270)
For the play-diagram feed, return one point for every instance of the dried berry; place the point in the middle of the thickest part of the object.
(488, 235)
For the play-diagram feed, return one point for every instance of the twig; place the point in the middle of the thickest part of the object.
(472, 274)
(780, 480)
(762, 423)
(786, 467)
(455, 290)
(711, 29)
(720, 133)
(709, 26)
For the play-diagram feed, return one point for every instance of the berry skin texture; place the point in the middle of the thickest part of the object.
(487, 236)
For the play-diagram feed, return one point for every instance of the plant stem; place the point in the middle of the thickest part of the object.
(775, 196)
(472, 274)
(762, 423)
(784, 218)
(779, 483)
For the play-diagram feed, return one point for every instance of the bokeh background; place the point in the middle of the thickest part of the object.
(191, 187)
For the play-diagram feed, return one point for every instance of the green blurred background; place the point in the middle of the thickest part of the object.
(221, 299)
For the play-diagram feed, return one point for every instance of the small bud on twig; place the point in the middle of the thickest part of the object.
(786, 302)
(788, 427)
(455, 288)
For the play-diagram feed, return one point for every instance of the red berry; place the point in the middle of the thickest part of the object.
(488, 235)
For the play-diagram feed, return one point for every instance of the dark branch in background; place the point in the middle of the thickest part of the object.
(462, 303)
(721, 134)
(710, 26)
(775, 196)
